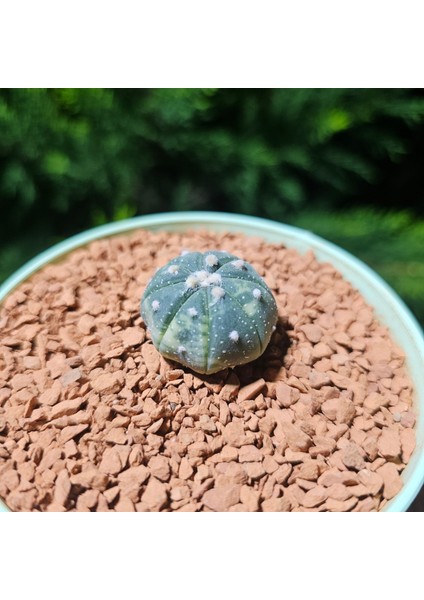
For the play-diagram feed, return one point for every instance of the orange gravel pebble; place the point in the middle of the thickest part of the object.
(392, 483)
(315, 496)
(222, 497)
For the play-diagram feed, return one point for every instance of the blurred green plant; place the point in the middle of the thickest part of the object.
(74, 158)
(71, 158)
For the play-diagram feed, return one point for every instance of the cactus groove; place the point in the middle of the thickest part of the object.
(209, 311)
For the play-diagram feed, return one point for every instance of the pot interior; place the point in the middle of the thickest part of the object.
(389, 308)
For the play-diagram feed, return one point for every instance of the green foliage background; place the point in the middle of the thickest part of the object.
(346, 164)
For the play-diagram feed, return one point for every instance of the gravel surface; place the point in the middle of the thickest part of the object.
(92, 418)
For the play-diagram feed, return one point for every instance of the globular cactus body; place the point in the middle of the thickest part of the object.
(209, 311)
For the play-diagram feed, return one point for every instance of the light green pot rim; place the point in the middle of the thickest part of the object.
(390, 309)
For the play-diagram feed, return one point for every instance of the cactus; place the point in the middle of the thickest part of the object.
(209, 311)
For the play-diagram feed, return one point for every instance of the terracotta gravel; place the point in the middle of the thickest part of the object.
(92, 418)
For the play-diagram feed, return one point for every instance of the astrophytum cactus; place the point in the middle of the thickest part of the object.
(209, 311)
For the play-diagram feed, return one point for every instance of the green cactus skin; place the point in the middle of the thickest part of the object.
(209, 311)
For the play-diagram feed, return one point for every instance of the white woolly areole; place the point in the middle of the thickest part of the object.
(238, 264)
(234, 336)
(173, 269)
(211, 260)
(192, 281)
(215, 278)
(257, 293)
(192, 312)
(155, 305)
(184, 252)
(203, 278)
(217, 292)
(201, 275)
(181, 349)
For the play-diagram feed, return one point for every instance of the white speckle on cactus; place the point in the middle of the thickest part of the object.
(257, 293)
(234, 336)
(181, 349)
(217, 293)
(238, 264)
(192, 281)
(184, 252)
(192, 312)
(173, 269)
(155, 305)
(211, 260)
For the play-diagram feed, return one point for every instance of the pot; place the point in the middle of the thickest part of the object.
(388, 307)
